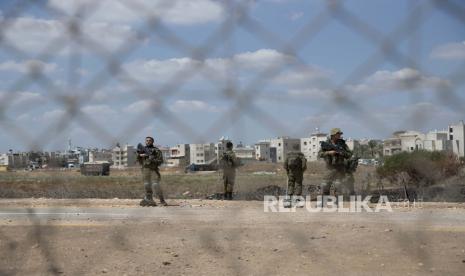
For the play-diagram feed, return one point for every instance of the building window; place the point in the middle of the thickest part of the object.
(451, 137)
(279, 144)
(451, 130)
(305, 143)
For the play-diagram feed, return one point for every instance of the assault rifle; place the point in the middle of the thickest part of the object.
(350, 164)
(338, 148)
(141, 149)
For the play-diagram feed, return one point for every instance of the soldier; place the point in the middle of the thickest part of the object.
(229, 163)
(150, 157)
(295, 164)
(338, 160)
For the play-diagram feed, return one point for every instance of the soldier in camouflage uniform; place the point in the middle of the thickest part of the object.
(336, 163)
(229, 162)
(150, 157)
(295, 164)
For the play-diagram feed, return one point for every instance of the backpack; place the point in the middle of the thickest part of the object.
(227, 160)
(294, 162)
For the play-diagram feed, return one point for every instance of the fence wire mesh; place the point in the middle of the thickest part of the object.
(79, 70)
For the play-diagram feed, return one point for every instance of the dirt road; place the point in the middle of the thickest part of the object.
(115, 237)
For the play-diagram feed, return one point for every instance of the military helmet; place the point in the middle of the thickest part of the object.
(335, 131)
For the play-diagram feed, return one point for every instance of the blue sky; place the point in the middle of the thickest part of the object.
(248, 70)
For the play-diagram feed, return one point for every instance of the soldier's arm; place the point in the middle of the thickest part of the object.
(157, 157)
(286, 164)
(347, 152)
(304, 163)
(234, 160)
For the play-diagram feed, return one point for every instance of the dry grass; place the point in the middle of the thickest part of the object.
(176, 184)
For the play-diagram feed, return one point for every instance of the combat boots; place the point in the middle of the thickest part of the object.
(287, 203)
(298, 202)
(228, 196)
(147, 201)
(163, 202)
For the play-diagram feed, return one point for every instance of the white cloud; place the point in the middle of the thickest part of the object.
(262, 59)
(402, 80)
(22, 98)
(159, 70)
(27, 98)
(294, 16)
(454, 50)
(98, 110)
(179, 12)
(299, 77)
(27, 66)
(192, 105)
(416, 116)
(154, 70)
(52, 115)
(33, 34)
(310, 93)
(140, 106)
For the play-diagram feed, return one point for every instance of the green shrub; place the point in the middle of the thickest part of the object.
(423, 168)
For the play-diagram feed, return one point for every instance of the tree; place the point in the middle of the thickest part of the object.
(372, 144)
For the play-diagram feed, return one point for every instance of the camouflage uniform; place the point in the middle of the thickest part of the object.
(229, 162)
(337, 171)
(151, 174)
(295, 172)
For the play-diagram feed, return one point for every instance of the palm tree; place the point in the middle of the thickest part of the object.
(372, 144)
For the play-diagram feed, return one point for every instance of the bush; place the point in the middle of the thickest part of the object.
(422, 168)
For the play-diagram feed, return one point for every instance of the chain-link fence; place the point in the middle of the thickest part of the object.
(102, 72)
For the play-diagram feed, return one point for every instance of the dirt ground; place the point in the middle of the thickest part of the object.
(205, 237)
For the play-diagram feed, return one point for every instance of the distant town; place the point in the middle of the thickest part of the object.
(273, 150)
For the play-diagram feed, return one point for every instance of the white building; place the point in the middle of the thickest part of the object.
(457, 138)
(311, 146)
(244, 152)
(409, 141)
(262, 151)
(202, 153)
(437, 141)
(123, 157)
(280, 146)
(179, 156)
(392, 146)
(220, 147)
(100, 156)
(352, 144)
(166, 153)
(14, 160)
(4, 159)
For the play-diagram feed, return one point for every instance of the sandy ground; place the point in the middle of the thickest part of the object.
(204, 237)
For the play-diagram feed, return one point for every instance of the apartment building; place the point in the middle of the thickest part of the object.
(220, 147)
(123, 157)
(280, 146)
(408, 141)
(457, 138)
(202, 153)
(245, 153)
(262, 151)
(100, 156)
(179, 156)
(311, 146)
